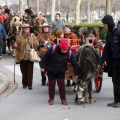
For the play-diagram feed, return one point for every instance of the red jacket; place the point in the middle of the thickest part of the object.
(2, 18)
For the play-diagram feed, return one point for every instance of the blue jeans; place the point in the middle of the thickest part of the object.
(1, 43)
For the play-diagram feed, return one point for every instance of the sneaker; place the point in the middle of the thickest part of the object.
(0, 57)
(51, 101)
(111, 104)
(117, 105)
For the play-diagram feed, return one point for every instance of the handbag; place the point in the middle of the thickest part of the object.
(34, 57)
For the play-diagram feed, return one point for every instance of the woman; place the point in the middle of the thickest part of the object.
(55, 61)
(23, 45)
(43, 38)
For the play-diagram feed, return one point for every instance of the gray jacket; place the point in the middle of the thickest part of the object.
(57, 25)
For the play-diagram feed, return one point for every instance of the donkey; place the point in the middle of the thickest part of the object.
(14, 31)
(88, 61)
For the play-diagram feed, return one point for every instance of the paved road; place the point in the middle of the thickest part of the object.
(24, 104)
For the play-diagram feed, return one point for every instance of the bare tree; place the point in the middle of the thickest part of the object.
(6, 2)
(77, 21)
(21, 6)
(53, 10)
(28, 3)
(108, 7)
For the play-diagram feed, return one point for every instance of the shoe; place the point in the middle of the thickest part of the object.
(43, 84)
(117, 105)
(24, 86)
(111, 104)
(0, 57)
(51, 101)
(30, 87)
(64, 102)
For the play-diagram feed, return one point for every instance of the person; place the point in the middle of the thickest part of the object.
(45, 35)
(30, 12)
(2, 33)
(57, 24)
(73, 40)
(26, 18)
(56, 65)
(6, 10)
(23, 45)
(58, 34)
(112, 51)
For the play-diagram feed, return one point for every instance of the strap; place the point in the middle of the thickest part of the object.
(70, 52)
(32, 39)
(54, 46)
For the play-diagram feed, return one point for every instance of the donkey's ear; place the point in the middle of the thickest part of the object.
(15, 19)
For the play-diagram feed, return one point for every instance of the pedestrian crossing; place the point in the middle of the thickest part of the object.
(17, 68)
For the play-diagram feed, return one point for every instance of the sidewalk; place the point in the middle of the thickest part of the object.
(6, 86)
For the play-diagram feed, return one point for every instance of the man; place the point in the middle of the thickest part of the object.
(112, 46)
(57, 24)
(23, 45)
(56, 65)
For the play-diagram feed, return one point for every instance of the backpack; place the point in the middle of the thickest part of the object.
(53, 49)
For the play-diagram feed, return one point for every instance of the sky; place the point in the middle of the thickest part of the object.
(12, 1)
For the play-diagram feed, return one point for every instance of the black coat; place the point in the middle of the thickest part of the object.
(57, 62)
(111, 49)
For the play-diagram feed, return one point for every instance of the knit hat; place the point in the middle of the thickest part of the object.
(58, 32)
(63, 44)
(108, 19)
(69, 26)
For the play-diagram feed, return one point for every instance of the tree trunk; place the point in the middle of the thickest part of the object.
(108, 7)
(0, 2)
(53, 10)
(6, 2)
(21, 6)
(77, 21)
(28, 3)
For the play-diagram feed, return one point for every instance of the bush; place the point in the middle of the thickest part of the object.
(90, 27)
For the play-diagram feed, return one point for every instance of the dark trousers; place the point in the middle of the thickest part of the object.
(43, 77)
(26, 67)
(61, 86)
(116, 79)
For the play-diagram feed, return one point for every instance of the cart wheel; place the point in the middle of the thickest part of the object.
(98, 83)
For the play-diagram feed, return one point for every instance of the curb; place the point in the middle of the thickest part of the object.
(3, 83)
(6, 86)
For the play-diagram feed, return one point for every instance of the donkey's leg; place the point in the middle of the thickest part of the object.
(8, 44)
(90, 91)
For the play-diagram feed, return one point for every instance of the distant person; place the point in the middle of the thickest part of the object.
(2, 33)
(57, 24)
(6, 10)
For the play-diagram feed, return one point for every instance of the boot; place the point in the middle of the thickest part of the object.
(51, 101)
(64, 102)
